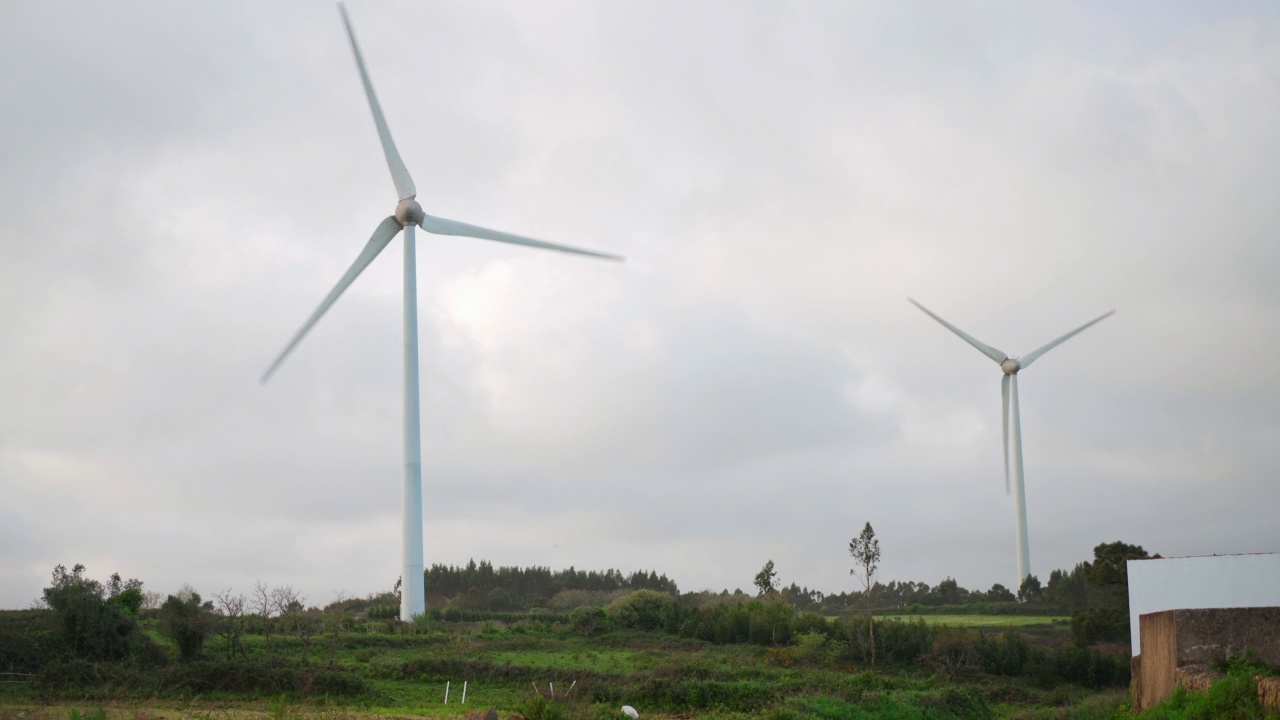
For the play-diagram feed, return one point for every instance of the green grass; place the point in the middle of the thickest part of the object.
(661, 675)
(982, 621)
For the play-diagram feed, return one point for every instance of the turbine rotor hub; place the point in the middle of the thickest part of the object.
(408, 212)
(1010, 366)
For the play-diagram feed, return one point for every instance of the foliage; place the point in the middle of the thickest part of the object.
(703, 654)
(1000, 593)
(1105, 623)
(470, 587)
(642, 610)
(764, 579)
(816, 648)
(952, 653)
(252, 677)
(95, 625)
(539, 707)
(383, 611)
(1110, 568)
(29, 639)
(865, 550)
(186, 621)
(1030, 590)
(1234, 696)
(590, 620)
(1065, 588)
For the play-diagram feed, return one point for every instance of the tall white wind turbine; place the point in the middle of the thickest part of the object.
(408, 215)
(1013, 421)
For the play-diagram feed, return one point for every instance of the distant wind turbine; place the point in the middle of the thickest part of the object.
(408, 215)
(1009, 395)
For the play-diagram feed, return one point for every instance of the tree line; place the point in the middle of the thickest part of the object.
(481, 586)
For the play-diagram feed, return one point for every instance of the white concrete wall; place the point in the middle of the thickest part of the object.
(1213, 581)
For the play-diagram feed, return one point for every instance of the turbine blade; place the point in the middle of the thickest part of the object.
(1004, 411)
(399, 173)
(441, 226)
(387, 230)
(985, 349)
(1034, 354)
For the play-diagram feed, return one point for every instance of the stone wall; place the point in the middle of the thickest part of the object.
(1174, 639)
(1212, 636)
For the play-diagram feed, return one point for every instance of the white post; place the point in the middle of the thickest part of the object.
(412, 601)
(446, 692)
(1019, 486)
(464, 691)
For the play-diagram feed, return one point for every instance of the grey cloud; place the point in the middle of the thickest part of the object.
(751, 385)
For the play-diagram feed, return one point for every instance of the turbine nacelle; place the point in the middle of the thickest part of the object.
(1010, 366)
(408, 212)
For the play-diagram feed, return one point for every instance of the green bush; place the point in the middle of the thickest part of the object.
(541, 708)
(641, 610)
(92, 625)
(1234, 696)
(30, 639)
(589, 620)
(1101, 624)
(185, 621)
(816, 648)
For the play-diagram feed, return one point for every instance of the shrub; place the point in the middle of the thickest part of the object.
(589, 620)
(29, 639)
(953, 652)
(91, 625)
(1101, 624)
(1234, 696)
(641, 610)
(540, 708)
(778, 657)
(186, 622)
(816, 648)
(1007, 654)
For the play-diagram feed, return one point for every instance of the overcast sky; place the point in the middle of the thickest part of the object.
(181, 183)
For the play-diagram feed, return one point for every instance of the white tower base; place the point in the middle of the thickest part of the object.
(412, 589)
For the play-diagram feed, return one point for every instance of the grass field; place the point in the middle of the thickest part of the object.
(665, 676)
(983, 621)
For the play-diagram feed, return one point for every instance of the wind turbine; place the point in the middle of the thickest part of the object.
(1009, 396)
(408, 215)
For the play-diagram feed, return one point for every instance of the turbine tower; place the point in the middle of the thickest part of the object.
(1012, 419)
(408, 215)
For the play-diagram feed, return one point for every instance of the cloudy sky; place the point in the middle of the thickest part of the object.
(181, 183)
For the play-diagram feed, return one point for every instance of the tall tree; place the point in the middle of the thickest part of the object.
(185, 620)
(1110, 568)
(764, 579)
(865, 550)
(1030, 589)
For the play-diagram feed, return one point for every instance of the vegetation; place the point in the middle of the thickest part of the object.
(865, 550)
(709, 654)
(765, 579)
(1234, 696)
(1107, 619)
